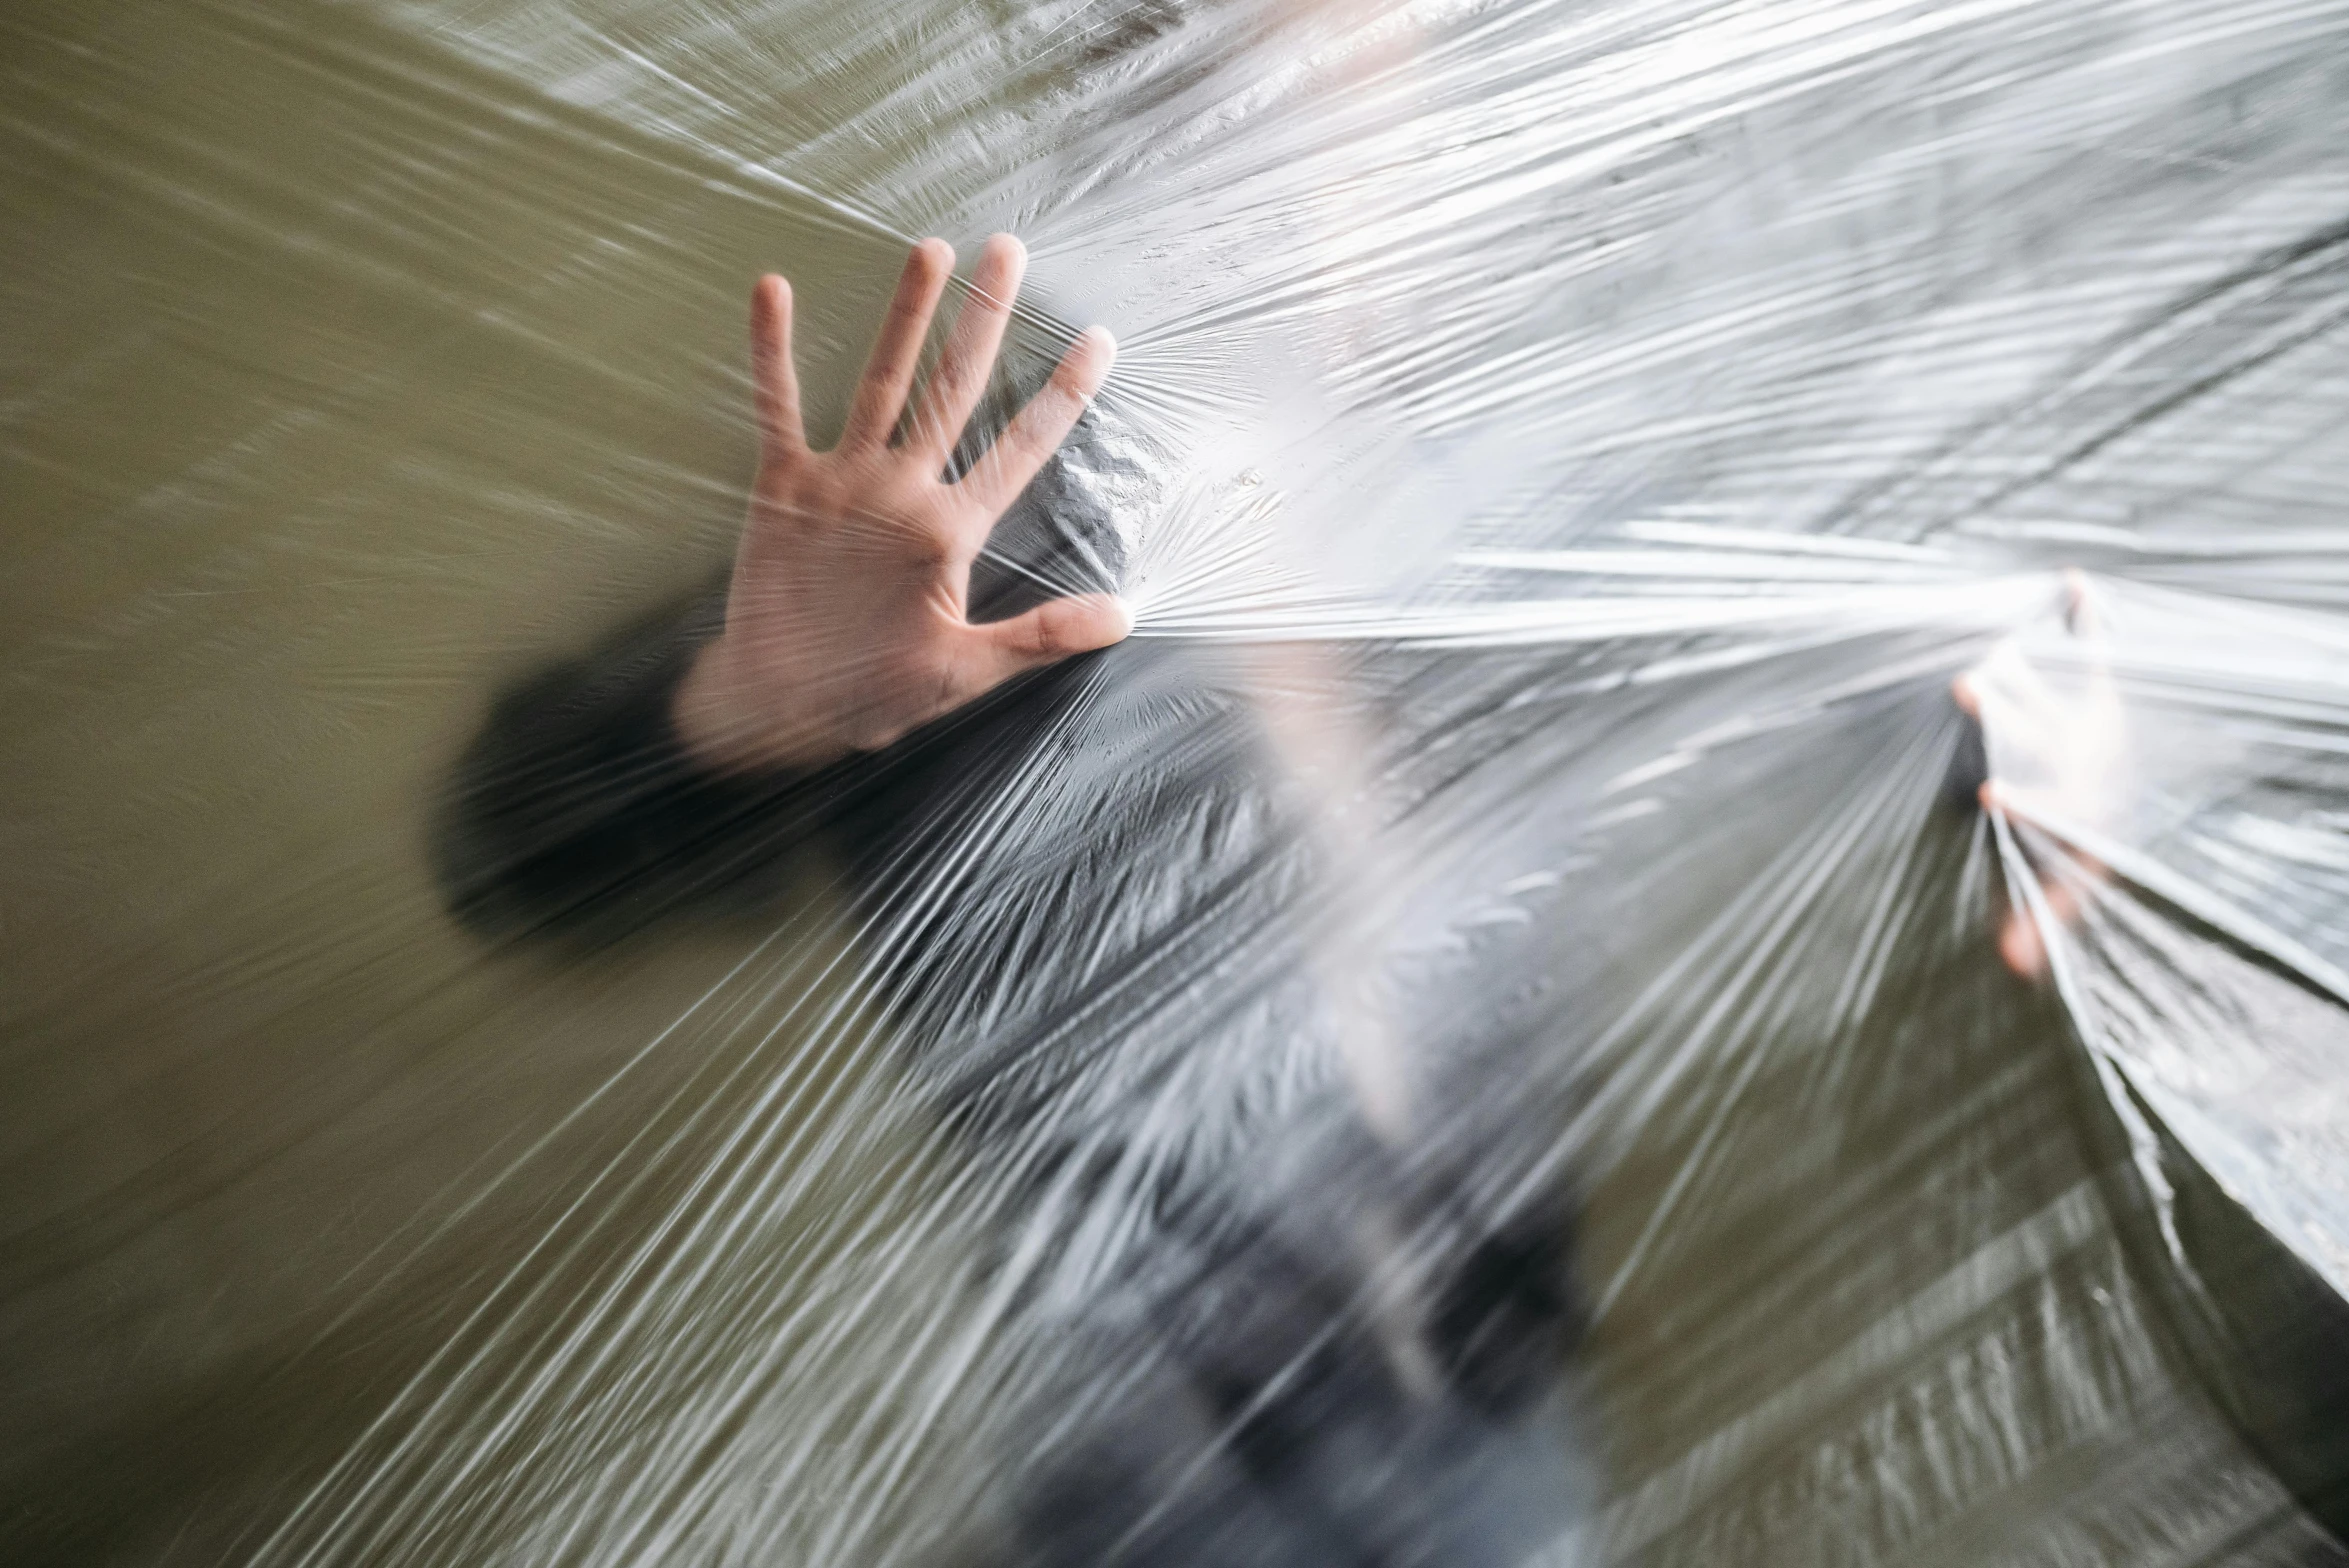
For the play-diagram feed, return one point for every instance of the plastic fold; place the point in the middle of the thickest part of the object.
(1706, 920)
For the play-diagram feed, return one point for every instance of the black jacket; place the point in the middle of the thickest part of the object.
(1082, 895)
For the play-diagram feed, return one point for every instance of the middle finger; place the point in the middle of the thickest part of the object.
(969, 358)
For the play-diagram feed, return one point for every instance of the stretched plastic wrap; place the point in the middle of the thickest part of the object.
(1706, 919)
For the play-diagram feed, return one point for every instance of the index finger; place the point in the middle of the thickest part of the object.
(996, 480)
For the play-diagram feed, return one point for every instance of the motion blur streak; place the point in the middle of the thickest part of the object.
(1571, 446)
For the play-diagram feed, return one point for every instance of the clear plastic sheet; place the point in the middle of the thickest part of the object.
(1561, 455)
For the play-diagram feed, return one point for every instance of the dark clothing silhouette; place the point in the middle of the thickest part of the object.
(1080, 895)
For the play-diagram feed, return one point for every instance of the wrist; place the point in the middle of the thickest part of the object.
(731, 723)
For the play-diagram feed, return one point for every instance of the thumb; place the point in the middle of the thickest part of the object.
(1052, 632)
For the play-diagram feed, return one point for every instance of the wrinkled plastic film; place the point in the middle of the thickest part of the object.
(1560, 457)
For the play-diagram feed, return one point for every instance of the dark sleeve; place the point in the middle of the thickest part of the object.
(576, 811)
(576, 808)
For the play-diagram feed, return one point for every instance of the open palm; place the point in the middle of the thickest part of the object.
(846, 620)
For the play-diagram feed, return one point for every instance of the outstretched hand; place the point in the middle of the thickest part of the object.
(846, 620)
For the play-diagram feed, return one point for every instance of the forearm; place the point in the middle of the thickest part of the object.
(587, 805)
(579, 808)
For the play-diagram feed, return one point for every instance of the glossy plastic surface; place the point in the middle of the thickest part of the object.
(1561, 455)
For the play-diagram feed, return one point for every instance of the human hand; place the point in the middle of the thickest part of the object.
(846, 620)
(2058, 752)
